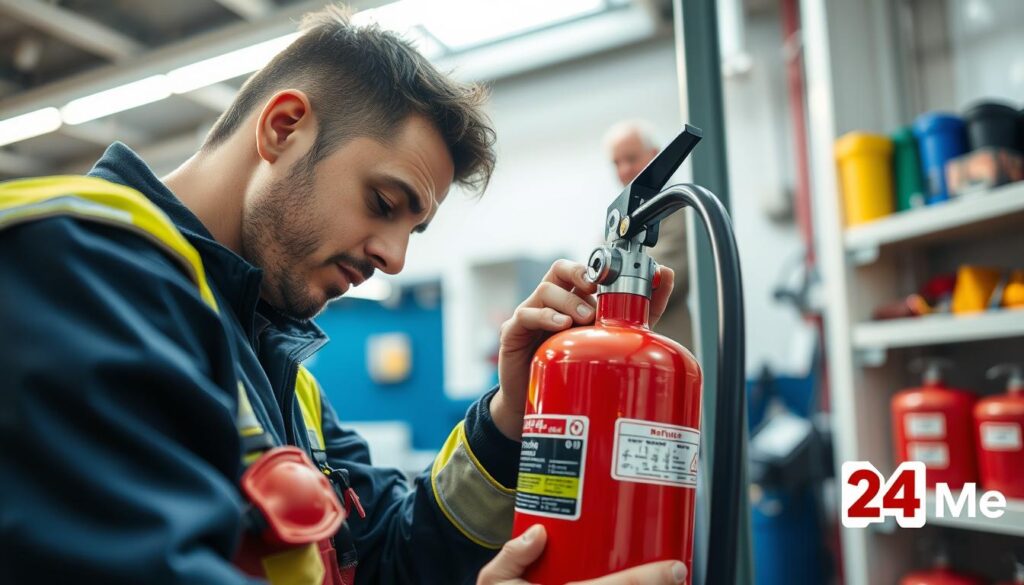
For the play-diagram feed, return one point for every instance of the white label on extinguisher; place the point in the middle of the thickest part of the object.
(933, 455)
(1001, 436)
(658, 453)
(925, 425)
(551, 464)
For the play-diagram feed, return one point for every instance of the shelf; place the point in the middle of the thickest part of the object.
(938, 329)
(1012, 521)
(978, 213)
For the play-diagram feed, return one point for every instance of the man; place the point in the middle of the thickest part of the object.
(631, 146)
(154, 329)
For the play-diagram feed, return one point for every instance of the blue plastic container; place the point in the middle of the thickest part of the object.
(940, 137)
(789, 544)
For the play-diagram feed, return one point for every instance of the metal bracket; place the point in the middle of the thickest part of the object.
(870, 357)
(863, 256)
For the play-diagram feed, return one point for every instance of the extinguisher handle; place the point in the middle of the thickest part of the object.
(729, 453)
(664, 165)
(1014, 375)
(650, 180)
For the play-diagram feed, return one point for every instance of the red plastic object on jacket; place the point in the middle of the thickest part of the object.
(999, 423)
(610, 443)
(933, 424)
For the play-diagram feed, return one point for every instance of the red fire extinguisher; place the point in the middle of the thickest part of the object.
(941, 574)
(611, 435)
(999, 423)
(933, 424)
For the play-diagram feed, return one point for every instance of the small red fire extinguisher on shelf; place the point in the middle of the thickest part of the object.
(940, 574)
(933, 424)
(999, 423)
(611, 435)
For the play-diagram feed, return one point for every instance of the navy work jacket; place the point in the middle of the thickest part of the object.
(119, 454)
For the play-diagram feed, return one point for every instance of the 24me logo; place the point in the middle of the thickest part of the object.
(868, 498)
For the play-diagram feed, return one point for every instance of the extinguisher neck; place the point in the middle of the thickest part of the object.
(623, 309)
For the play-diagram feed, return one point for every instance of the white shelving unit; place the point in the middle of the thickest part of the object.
(856, 75)
(1011, 522)
(964, 216)
(938, 330)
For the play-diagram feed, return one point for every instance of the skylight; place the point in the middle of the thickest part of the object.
(451, 26)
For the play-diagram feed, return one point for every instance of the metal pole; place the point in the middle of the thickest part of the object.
(699, 64)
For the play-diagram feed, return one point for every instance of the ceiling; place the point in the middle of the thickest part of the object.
(144, 59)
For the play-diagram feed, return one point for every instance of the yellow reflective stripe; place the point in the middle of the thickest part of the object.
(246, 421)
(307, 390)
(472, 500)
(296, 566)
(102, 201)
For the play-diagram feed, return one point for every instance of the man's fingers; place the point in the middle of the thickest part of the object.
(662, 573)
(528, 320)
(513, 558)
(567, 274)
(660, 296)
(564, 301)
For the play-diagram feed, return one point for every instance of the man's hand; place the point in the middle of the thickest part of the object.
(519, 553)
(563, 298)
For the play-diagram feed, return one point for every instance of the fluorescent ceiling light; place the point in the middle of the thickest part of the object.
(227, 66)
(29, 125)
(397, 16)
(121, 98)
(460, 24)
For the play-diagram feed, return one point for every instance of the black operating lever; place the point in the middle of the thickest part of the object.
(648, 183)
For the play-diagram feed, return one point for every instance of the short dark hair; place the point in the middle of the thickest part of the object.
(365, 81)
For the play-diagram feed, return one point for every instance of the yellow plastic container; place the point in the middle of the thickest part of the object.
(865, 176)
(974, 288)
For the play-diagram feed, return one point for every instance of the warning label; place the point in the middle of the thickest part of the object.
(647, 452)
(551, 466)
(933, 455)
(999, 436)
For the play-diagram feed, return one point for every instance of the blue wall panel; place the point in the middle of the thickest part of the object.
(341, 368)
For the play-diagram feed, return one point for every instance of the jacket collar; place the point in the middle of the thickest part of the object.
(234, 277)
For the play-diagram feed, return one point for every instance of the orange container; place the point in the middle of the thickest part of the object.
(974, 288)
(1013, 294)
(865, 176)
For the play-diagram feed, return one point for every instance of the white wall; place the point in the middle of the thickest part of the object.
(761, 178)
(965, 51)
(553, 183)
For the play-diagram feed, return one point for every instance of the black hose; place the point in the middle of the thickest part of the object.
(729, 455)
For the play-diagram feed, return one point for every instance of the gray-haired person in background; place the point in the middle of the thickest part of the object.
(631, 144)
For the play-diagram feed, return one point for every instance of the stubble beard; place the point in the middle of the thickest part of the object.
(279, 236)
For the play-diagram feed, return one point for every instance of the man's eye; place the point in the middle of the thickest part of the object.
(383, 207)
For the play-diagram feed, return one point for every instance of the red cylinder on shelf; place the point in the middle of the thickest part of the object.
(999, 425)
(940, 576)
(934, 424)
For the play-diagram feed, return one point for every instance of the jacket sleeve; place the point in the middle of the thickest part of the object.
(119, 446)
(672, 251)
(449, 522)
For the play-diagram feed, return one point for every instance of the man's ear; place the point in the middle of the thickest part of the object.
(283, 117)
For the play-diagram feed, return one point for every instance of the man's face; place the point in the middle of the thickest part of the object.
(317, 232)
(630, 156)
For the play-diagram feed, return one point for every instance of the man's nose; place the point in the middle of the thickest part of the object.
(388, 252)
